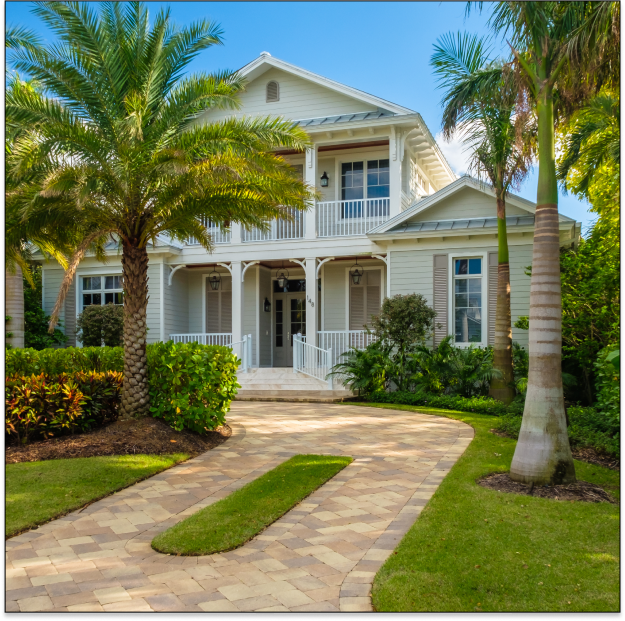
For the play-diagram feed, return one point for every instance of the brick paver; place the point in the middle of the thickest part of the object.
(321, 556)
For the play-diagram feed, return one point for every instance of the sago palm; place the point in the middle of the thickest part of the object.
(121, 136)
(481, 105)
(556, 80)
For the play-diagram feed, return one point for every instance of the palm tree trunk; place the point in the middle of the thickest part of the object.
(501, 388)
(14, 305)
(135, 396)
(543, 455)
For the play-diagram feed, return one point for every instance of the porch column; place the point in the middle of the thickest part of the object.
(312, 300)
(237, 301)
(310, 177)
(235, 233)
(395, 145)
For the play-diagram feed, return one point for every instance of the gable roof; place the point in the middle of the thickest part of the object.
(459, 184)
(266, 61)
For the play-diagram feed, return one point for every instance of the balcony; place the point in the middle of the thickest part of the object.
(279, 229)
(348, 218)
(218, 235)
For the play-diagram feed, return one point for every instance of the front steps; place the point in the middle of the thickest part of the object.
(282, 384)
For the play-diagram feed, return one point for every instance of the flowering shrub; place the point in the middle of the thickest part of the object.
(43, 406)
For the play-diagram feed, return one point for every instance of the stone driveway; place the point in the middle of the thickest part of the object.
(320, 556)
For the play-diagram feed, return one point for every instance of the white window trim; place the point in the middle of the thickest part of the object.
(89, 274)
(365, 161)
(370, 268)
(451, 323)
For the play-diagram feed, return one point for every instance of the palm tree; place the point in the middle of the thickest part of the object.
(480, 103)
(120, 136)
(551, 76)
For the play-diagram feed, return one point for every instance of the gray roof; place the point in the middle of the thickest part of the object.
(472, 223)
(344, 118)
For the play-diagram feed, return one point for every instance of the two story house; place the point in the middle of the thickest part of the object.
(393, 219)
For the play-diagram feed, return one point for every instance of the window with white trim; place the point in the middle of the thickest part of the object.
(467, 300)
(102, 290)
(354, 190)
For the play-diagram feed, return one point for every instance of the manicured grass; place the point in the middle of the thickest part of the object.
(232, 521)
(477, 549)
(37, 492)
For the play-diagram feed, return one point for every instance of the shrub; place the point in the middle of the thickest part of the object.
(607, 383)
(42, 406)
(191, 385)
(363, 370)
(101, 324)
(68, 360)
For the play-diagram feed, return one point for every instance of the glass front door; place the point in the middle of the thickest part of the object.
(289, 319)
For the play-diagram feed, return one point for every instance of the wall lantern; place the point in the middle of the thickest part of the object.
(283, 276)
(214, 279)
(356, 273)
(267, 306)
(324, 180)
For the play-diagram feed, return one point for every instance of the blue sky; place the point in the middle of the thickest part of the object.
(383, 48)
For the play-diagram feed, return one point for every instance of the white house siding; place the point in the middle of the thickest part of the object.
(299, 99)
(153, 315)
(466, 203)
(176, 303)
(249, 307)
(520, 259)
(70, 315)
(264, 319)
(334, 296)
(52, 284)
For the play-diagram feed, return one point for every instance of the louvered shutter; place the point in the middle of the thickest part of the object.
(356, 307)
(273, 91)
(212, 311)
(493, 263)
(374, 280)
(441, 284)
(226, 311)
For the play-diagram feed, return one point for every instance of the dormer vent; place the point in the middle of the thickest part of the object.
(273, 91)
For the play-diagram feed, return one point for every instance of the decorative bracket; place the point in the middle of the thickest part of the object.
(321, 263)
(173, 271)
(247, 265)
(228, 267)
(302, 263)
(377, 256)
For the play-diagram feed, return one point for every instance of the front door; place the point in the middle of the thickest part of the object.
(289, 318)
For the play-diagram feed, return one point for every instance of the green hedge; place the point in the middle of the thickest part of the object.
(68, 360)
(481, 405)
(191, 385)
(43, 406)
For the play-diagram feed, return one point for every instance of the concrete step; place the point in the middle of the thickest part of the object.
(310, 396)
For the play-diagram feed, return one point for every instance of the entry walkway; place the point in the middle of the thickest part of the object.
(320, 556)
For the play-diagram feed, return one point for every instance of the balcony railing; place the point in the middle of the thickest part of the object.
(346, 218)
(218, 235)
(279, 229)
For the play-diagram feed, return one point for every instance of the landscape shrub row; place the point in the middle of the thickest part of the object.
(44, 406)
(56, 391)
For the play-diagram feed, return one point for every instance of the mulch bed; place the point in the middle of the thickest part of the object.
(149, 436)
(589, 455)
(582, 490)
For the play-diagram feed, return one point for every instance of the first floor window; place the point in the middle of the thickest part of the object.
(102, 290)
(467, 300)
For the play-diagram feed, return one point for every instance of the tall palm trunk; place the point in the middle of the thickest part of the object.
(501, 387)
(543, 455)
(135, 396)
(14, 305)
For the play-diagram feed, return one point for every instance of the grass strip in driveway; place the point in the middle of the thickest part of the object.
(233, 520)
(476, 549)
(39, 491)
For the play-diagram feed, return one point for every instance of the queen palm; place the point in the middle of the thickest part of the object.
(120, 136)
(480, 104)
(543, 37)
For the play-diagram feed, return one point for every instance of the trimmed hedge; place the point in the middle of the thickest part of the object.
(481, 405)
(191, 385)
(68, 360)
(43, 406)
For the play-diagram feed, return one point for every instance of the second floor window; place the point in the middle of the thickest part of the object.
(355, 190)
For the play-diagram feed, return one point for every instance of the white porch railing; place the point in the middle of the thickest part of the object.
(339, 341)
(279, 229)
(214, 338)
(344, 218)
(242, 348)
(312, 360)
(218, 235)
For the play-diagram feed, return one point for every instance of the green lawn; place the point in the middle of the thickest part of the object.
(37, 492)
(232, 521)
(478, 549)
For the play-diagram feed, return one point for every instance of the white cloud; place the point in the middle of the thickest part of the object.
(456, 152)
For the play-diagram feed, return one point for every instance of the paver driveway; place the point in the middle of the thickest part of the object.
(321, 556)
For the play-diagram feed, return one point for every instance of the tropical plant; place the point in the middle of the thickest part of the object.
(125, 150)
(405, 322)
(434, 367)
(481, 105)
(608, 383)
(556, 80)
(98, 325)
(363, 370)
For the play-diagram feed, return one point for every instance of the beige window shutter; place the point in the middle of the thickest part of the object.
(213, 307)
(372, 298)
(493, 263)
(356, 307)
(441, 288)
(226, 311)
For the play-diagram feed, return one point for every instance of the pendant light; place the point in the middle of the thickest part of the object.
(356, 272)
(214, 279)
(283, 276)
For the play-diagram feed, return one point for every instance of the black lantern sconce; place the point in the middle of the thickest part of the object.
(267, 306)
(283, 276)
(324, 180)
(214, 279)
(356, 272)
